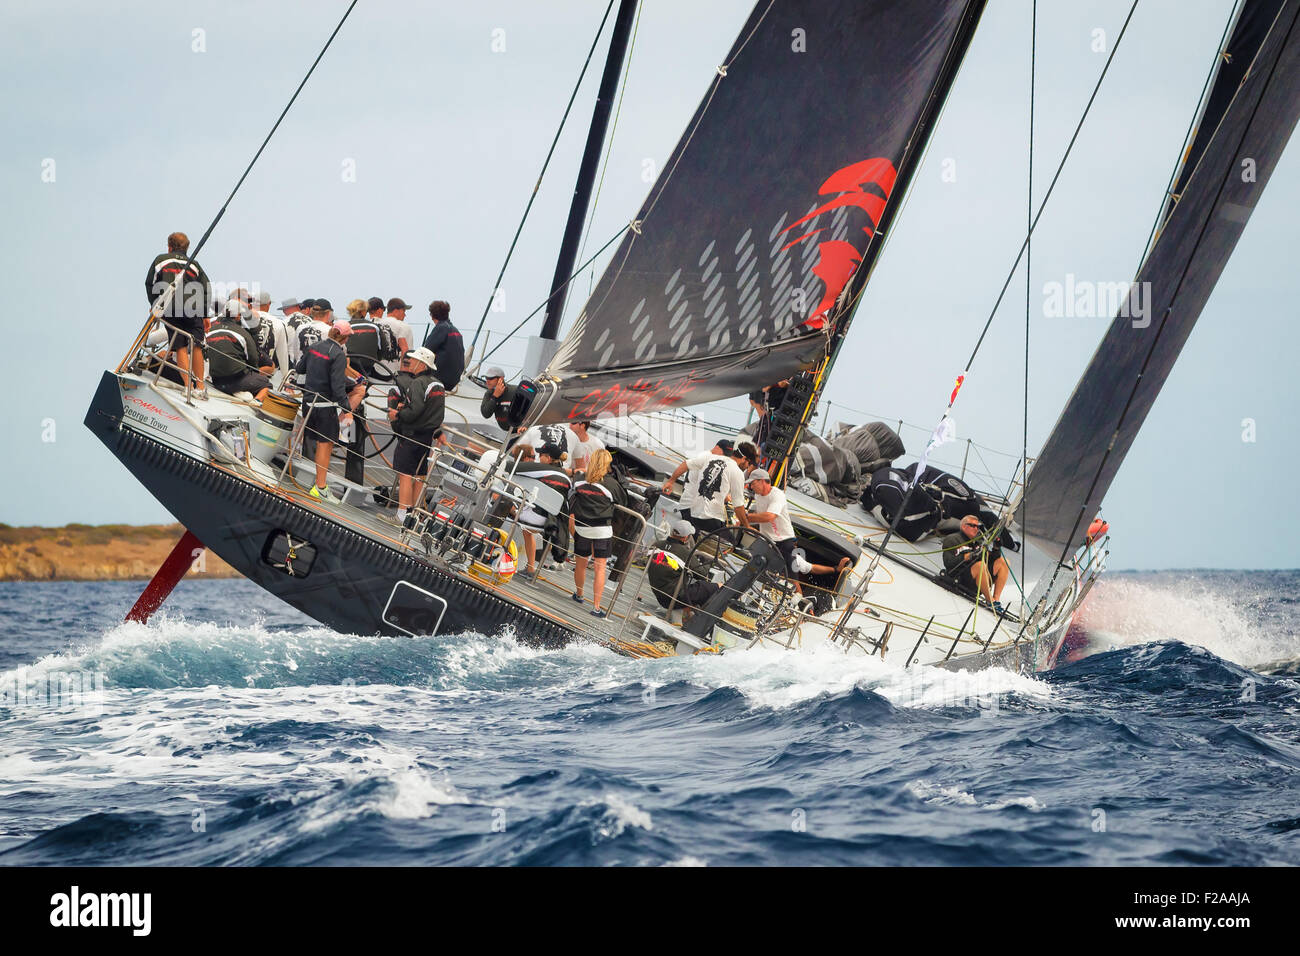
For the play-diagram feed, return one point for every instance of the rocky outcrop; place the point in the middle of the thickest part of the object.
(80, 552)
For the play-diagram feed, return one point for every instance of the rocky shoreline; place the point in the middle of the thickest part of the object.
(79, 552)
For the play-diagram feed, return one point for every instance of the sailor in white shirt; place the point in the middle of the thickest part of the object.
(711, 478)
(272, 336)
(401, 331)
(582, 445)
(769, 514)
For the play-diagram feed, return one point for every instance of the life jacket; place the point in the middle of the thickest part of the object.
(390, 349)
(363, 343)
(592, 504)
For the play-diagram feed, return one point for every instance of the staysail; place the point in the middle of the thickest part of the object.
(1245, 142)
(765, 208)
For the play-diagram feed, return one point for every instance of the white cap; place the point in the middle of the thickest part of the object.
(682, 528)
(422, 355)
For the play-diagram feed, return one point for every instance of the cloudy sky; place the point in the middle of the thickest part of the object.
(408, 159)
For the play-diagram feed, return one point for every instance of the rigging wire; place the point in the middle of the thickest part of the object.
(1052, 186)
(538, 185)
(893, 525)
(577, 272)
(1137, 382)
(190, 257)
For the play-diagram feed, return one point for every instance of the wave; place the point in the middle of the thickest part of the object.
(1247, 618)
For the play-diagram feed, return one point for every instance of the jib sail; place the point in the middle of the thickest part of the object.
(1230, 171)
(765, 209)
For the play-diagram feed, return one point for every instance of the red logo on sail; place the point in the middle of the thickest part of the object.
(838, 258)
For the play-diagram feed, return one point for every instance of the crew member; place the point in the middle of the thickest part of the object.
(416, 409)
(313, 331)
(975, 562)
(233, 357)
(712, 478)
(583, 445)
(771, 510)
(363, 343)
(397, 324)
(549, 470)
(445, 342)
(323, 369)
(497, 397)
(187, 311)
(591, 523)
(666, 564)
(272, 340)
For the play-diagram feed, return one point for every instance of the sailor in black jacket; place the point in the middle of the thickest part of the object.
(189, 307)
(323, 370)
(447, 345)
(591, 522)
(549, 470)
(497, 397)
(417, 404)
(233, 355)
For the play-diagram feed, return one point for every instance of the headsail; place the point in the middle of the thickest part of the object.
(765, 208)
(1230, 173)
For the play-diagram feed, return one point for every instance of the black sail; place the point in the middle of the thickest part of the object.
(766, 207)
(1254, 20)
(1074, 471)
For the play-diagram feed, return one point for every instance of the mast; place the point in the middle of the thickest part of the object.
(587, 171)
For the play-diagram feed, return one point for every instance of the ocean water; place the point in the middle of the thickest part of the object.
(232, 730)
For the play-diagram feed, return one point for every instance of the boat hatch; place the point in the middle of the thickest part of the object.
(413, 610)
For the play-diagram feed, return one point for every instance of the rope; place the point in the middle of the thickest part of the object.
(538, 185)
(893, 525)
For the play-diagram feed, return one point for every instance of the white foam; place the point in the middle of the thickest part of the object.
(778, 679)
(1123, 611)
(620, 813)
(934, 793)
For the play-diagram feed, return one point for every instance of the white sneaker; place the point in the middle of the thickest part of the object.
(798, 563)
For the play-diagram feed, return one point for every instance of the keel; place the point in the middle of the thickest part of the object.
(169, 575)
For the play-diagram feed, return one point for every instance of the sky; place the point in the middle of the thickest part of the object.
(408, 159)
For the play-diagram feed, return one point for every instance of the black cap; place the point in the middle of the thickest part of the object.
(726, 444)
(396, 303)
(323, 305)
(551, 451)
(374, 302)
(306, 304)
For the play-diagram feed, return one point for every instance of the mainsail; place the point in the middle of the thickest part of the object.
(1231, 168)
(766, 207)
